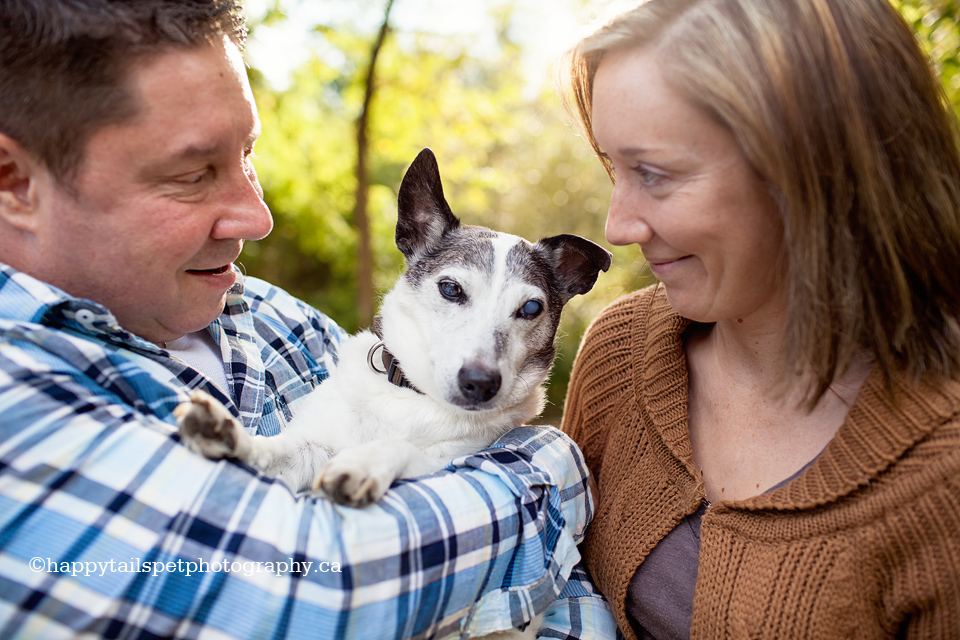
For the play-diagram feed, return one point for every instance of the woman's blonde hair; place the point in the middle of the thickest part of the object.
(839, 111)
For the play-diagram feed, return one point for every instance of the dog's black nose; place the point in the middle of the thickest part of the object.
(478, 385)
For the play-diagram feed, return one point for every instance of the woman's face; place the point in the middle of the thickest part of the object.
(686, 195)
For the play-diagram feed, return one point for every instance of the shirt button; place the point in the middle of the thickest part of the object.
(86, 318)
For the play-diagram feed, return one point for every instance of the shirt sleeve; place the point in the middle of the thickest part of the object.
(580, 612)
(110, 527)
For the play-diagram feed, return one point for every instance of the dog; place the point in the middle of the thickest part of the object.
(459, 355)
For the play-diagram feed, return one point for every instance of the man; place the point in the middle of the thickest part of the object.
(126, 193)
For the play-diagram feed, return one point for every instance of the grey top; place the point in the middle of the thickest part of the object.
(660, 595)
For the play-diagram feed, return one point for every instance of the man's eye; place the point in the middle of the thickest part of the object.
(530, 309)
(451, 290)
(199, 177)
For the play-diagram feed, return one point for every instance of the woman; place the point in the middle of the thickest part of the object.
(775, 426)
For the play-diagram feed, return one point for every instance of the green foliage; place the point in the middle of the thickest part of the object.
(937, 25)
(507, 160)
(304, 161)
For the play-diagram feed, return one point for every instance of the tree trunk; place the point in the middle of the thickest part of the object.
(365, 290)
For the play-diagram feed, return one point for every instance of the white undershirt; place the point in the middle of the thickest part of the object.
(201, 352)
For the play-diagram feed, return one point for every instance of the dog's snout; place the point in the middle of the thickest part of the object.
(478, 384)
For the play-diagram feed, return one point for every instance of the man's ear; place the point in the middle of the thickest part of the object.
(18, 180)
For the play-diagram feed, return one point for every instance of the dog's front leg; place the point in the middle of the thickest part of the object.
(209, 429)
(528, 633)
(360, 475)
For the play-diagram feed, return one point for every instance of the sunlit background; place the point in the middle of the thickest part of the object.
(472, 79)
(542, 28)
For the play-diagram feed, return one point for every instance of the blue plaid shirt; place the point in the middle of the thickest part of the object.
(110, 527)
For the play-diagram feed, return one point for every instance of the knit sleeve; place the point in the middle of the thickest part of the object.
(601, 381)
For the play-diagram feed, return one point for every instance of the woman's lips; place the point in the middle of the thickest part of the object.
(661, 268)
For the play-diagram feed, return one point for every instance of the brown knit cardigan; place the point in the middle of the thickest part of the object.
(864, 544)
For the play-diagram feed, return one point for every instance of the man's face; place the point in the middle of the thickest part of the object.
(162, 203)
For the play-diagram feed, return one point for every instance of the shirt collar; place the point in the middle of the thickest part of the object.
(24, 298)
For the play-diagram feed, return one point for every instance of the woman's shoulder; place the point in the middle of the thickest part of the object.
(899, 447)
(637, 306)
(916, 500)
(932, 413)
(635, 319)
(620, 338)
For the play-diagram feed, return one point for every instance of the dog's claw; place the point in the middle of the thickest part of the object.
(207, 427)
(352, 487)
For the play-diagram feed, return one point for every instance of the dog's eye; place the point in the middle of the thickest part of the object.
(451, 290)
(530, 309)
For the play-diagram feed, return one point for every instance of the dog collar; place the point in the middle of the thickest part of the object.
(391, 366)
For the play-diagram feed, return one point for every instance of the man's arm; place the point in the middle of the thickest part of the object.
(580, 612)
(109, 526)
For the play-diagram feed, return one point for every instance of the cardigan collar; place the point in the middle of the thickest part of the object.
(876, 432)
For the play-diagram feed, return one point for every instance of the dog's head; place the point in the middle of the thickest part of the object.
(474, 318)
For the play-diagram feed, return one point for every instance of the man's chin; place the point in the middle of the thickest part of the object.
(174, 326)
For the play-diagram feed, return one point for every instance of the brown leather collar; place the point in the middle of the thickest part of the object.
(391, 366)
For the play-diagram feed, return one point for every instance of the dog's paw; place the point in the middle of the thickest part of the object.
(351, 481)
(528, 633)
(207, 427)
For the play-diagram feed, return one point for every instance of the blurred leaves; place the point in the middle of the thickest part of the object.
(508, 160)
(937, 25)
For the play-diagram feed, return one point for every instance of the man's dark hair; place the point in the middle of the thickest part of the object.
(64, 64)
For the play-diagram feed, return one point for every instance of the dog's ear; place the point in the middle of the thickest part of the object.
(577, 261)
(423, 215)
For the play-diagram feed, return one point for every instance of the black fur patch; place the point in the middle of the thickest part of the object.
(531, 266)
(468, 247)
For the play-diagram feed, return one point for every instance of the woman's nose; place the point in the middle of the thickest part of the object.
(626, 223)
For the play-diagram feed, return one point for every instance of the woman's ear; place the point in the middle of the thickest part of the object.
(19, 173)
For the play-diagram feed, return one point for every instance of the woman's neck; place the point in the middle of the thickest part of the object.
(750, 426)
(752, 349)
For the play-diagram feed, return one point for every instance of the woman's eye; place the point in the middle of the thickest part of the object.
(451, 290)
(530, 309)
(648, 178)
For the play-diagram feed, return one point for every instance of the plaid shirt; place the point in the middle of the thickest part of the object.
(109, 527)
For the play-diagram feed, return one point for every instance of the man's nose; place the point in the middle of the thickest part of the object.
(245, 215)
